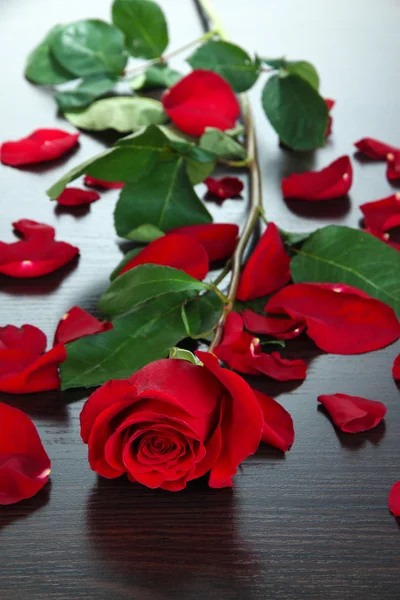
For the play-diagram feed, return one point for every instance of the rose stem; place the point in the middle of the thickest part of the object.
(255, 185)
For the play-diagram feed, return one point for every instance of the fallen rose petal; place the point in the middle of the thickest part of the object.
(24, 464)
(374, 148)
(268, 268)
(340, 318)
(77, 323)
(394, 499)
(227, 187)
(331, 182)
(40, 146)
(29, 229)
(396, 368)
(281, 369)
(353, 414)
(27, 337)
(218, 239)
(281, 328)
(383, 214)
(102, 183)
(278, 428)
(172, 250)
(393, 165)
(73, 196)
(201, 99)
(330, 104)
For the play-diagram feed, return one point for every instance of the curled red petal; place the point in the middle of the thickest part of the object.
(393, 165)
(276, 367)
(281, 328)
(226, 187)
(374, 148)
(29, 229)
(353, 414)
(73, 196)
(199, 100)
(218, 239)
(24, 464)
(394, 499)
(340, 319)
(278, 430)
(383, 214)
(268, 268)
(330, 104)
(102, 183)
(77, 323)
(331, 182)
(396, 368)
(27, 337)
(172, 250)
(40, 146)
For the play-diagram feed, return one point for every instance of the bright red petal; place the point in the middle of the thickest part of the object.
(331, 182)
(396, 368)
(29, 229)
(23, 372)
(27, 337)
(218, 239)
(394, 499)
(177, 251)
(24, 464)
(382, 215)
(227, 187)
(77, 323)
(102, 183)
(40, 146)
(199, 100)
(278, 428)
(281, 328)
(393, 165)
(330, 104)
(73, 196)
(353, 414)
(235, 347)
(267, 269)
(374, 149)
(276, 367)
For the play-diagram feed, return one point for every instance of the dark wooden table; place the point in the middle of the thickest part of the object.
(311, 524)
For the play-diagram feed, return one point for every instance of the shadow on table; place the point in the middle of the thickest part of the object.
(37, 286)
(23, 509)
(355, 441)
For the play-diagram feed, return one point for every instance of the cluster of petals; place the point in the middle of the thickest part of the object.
(331, 182)
(224, 188)
(36, 254)
(40, 146)
(102, 183)
(377, 150)
(353, 414)
(73, 196)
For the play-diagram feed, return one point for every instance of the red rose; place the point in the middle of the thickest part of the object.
(171, 422)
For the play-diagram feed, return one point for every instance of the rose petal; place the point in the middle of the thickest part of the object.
(384, 237)
(77, 323)
(40, 146)
(23, 372)
(29, 229)
(374, 149)
(383, 214)
(73, 196)
(226, 187)
(199, 100)
(393, 165)
(281, 328)
(24, 464)
(218, 239)
(396, 368)
(102, 183)
(282, 369)
(172, 250)
(278, 430)
(331, 182)
(330, 104)
(394, 499)
(267, 269)
(353, 414)
(27, 337)
(340, 319)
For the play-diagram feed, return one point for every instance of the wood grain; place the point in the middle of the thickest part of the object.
(312, 524)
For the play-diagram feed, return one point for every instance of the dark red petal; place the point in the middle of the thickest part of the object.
(282, 328)
(394, 499)
(40, 146)
(282, 369)
(278, 428)
(331, 182)
(199, 100)
(340, 318)
(102, 183)
(73, 196)
(77, 323)
(374, 149)
(218, 239)
(330, 104)
(172, 250)
(267, 269)
(24, 464)
(226, 187)
(22, 372)
(383, 214)
(396, 368)
(29, 229)
(27, 337)
(393, 165)
(352, 413)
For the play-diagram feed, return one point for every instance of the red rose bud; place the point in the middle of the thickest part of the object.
(374, 149)
(77, 323)
(102, 183)
(353, 414)
(24, 464)
(267, 269)
(278, 430)
(382, 215)
(73, 196)
(331, 182)
(227, 187)
(200, 100)
(394, 499)
(396, 368)
(40, 146)
(218, 239)
(152, 429)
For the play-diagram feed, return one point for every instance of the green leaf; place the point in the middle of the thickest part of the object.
(146, 233)
(342, 255)
(144, 283)
(122, 113)
(291, 238)
(157, 76)
(197, 172)
(275, 63)
(91, 88)
(144, 25)
(229, 60)
(182, 354)
(202, 314)
(296, 111)
(89, 47)
(221, 144)
(305, 70)
(165, 199)
(42, 67)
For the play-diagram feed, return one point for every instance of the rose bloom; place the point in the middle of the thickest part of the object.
(172, 422)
